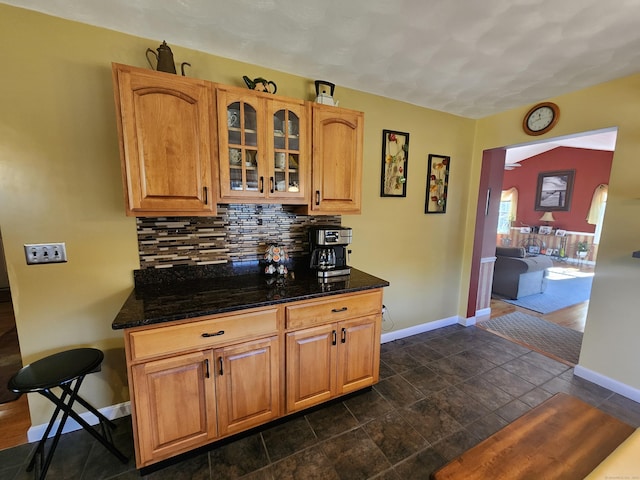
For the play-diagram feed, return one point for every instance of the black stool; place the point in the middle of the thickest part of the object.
(65, 370)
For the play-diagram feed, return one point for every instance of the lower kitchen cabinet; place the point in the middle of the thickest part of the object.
(189, 400)
(248, 385)
(174, 405)
(199, 380)
(327, 361)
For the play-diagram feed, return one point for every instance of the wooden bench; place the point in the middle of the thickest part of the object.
(560, 438)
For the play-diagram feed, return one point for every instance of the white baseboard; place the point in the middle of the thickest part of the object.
(606, 382)
(35, 433)
(424, 327)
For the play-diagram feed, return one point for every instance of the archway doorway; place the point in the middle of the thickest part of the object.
(514, 157)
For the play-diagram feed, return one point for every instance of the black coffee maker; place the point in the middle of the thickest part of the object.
(329, 252)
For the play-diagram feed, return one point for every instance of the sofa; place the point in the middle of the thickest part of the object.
(517, 275)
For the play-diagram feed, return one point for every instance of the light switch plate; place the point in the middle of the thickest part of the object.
(37, 253)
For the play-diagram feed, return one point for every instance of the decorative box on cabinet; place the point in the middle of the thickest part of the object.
(167, 130)
(263, 147)
(337, 139)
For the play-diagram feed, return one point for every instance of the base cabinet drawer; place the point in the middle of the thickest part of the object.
(207, 332)
(333, 309)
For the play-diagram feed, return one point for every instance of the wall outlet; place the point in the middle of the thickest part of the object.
(36, 253)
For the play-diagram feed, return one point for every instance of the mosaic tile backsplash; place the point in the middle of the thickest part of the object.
(238, 233)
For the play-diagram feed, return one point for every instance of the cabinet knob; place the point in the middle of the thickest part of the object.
(261, 184)
(338, 310)
(343, 337)
(334, 338)
(271, 185)
(206, 195)
(317, 197)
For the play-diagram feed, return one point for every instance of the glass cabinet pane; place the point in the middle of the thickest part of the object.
(286, 155)
(242, 132)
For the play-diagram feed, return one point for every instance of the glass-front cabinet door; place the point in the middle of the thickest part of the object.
(288, 161)
(241, 145)
(263, 146)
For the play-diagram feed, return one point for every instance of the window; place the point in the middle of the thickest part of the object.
(596, 211)
(508, 209)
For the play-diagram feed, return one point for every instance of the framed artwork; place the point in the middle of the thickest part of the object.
(545, 230)
(525, 229)
(561, 233)
(554, 190)
(437, 184)
(395, 157)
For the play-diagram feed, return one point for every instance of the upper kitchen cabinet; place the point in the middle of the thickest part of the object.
(337, 160)
(166, 125)
(263, 146)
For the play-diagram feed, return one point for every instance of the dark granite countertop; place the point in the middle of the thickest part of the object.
(159, 302)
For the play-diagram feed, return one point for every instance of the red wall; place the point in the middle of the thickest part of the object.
(592, 168)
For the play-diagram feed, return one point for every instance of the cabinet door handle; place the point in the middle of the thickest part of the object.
(206, 195)
(317, 197)
(343, 338)
(338, 310)
(216, 334)
(334, 337)
(221, 366)
(271, 185)
(261, 184)
(206, 366)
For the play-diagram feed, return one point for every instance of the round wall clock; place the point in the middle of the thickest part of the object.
(541, 118)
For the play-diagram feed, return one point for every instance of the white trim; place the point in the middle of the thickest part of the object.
(34, 434)
(469, 321)
(482, 314)
(425, 327)
(606, 382)
(488, 259)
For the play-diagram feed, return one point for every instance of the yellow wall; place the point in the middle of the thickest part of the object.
(60, 181)
(610, 345)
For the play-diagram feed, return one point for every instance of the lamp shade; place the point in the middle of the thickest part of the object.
(547, 217)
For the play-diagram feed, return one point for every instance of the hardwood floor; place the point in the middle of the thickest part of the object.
(15, 419)
(573, 317)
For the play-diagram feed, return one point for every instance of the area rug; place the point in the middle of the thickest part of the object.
(562, 291)
(537, 334)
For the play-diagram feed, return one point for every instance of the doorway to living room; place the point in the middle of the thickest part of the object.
(565, 230)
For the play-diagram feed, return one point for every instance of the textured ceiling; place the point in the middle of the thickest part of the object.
(467, 57)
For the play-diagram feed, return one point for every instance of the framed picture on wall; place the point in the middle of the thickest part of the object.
(395, 159)
(554, 190)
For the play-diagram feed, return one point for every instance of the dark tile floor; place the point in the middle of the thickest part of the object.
(440, 393)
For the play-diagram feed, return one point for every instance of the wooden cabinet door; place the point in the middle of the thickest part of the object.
(241, 144)
(248, 384)
(358, 353)
(337, 160)
(166, 137)
(174, 405)
(287, 151)
(311, 365)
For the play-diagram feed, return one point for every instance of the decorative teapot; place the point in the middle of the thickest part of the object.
(321, 93)
(164, 59)
(260, 84)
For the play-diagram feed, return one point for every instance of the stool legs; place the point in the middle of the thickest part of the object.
(65, 403)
